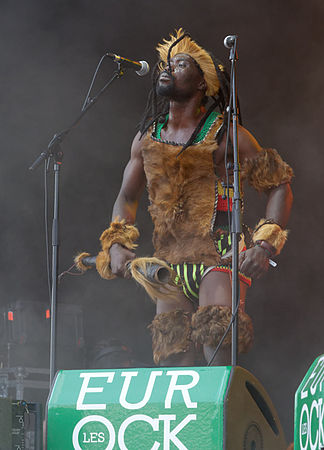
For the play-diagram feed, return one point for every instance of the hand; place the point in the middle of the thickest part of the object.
(119, 256)
(254, 262)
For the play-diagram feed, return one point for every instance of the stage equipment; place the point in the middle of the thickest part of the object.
(26, 383)
(309, 409)
(54, 153)
(141, 67)
(236, 225)
(25, 335)
(230, 41)
(187, 408)
(21, 425)
(24, 347)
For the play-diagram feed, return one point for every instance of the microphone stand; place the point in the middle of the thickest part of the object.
(54, 151)
(236, 226)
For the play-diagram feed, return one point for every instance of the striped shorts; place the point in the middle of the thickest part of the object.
(189, 277)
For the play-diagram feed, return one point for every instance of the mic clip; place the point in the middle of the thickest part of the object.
(225, 187)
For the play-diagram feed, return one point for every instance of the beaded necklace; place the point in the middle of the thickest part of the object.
(157, 127)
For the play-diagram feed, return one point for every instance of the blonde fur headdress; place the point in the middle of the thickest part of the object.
(191, 48)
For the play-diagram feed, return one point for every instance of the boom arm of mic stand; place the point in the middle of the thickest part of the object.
(54, 150)
(58, 138)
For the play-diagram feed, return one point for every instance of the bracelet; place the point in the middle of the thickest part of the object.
(269, 249)
(269, 232)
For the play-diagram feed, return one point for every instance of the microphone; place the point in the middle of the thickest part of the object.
(141, 67)
(229, 41)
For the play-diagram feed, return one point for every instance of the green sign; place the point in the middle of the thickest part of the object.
(138, 409)
(309, 409)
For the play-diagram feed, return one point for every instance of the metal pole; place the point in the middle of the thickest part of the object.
(55, 249)
(236, 213)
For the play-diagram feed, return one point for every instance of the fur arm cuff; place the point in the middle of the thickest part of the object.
(119, 233)
(271, 232)
(266, 171)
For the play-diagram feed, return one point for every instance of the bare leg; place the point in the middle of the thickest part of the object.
(216, 289)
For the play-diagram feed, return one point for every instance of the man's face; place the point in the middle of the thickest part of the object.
(185, 81)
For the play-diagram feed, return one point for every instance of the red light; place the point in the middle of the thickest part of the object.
(10, 315)
(47, 314)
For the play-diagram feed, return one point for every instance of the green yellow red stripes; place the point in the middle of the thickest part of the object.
(188, 277)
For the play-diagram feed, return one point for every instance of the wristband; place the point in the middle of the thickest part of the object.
(270, 251)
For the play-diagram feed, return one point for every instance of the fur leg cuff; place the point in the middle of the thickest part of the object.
(210, 322)
(270, 232)
(170, 334)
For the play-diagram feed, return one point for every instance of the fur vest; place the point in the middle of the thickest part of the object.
(182, 198)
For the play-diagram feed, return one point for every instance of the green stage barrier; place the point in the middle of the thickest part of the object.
(309, 409)
(161, 408)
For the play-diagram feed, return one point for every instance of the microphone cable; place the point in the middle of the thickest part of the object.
(48, 265)
(87, 98)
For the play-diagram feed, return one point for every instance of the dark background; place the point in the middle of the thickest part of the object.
(49, 50)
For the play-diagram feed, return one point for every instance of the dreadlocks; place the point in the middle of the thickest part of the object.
(216, 77)
(156, 105)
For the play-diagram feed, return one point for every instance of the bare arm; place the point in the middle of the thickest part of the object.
(126, 204)
(279, 204)
(132, 185)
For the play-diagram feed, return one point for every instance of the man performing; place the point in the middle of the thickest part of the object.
(179, 154)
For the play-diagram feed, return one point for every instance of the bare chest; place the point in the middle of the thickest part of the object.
(179, 136)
